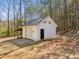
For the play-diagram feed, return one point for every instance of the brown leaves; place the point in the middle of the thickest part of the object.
(59, 48)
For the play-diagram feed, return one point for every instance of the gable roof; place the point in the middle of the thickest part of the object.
(33, 22)
(37, 21)
(53, 22)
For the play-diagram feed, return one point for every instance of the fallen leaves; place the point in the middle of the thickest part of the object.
(59, 48)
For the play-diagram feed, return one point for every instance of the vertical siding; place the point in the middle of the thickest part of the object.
(33, 32)
(49, 29)
(23, 32)
(30, 32)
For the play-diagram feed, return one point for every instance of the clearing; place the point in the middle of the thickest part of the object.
(58, 48)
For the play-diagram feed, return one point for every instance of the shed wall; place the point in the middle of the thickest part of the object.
(33, 32)
(30, 32)
(49, 29)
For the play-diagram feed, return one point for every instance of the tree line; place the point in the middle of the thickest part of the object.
(64, 12)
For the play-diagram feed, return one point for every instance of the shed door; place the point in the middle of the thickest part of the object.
(42, 34)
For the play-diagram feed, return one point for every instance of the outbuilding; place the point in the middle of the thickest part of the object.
(40, 29)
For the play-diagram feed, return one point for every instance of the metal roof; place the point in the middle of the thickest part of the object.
(33, 22)
(37, 21)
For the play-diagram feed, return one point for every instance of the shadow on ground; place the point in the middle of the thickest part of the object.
(8, 46)
(22, 42)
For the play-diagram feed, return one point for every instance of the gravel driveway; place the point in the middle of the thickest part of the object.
(22, 42)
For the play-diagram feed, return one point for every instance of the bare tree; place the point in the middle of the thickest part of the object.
(9, 5)
(8, 13)
(14, 15)
(50, 2)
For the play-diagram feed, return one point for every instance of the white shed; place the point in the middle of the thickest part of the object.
(40, 29)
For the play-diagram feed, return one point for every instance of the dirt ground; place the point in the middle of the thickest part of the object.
(11, 44)
(5, 39)
(58, 48)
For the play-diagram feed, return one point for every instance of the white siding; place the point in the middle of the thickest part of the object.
(49, 29)
(33, 32)
(30, 32)
(23, 32)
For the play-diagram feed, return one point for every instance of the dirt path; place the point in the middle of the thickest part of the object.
(11, 44)
(60, 48)
(8, 38)
(7, 47)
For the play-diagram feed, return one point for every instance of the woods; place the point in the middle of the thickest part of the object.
(16, 12)
(39, 29)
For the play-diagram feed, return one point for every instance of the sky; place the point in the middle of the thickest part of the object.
(3, 8)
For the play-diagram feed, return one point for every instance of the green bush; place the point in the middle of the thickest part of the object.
(4, 32)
